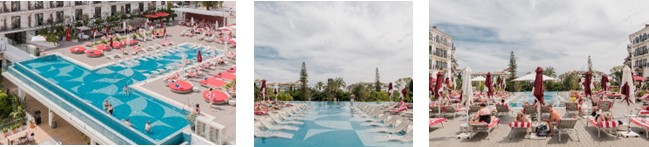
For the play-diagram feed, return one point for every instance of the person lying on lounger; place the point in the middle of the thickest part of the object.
(483, 115)
(520, 117)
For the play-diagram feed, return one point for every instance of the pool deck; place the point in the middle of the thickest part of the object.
(446, 136)
(223, 114)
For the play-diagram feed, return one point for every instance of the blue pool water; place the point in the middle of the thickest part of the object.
(550, 97)
(332, 124)
(87, 90)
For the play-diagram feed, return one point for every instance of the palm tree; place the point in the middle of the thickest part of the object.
(210, 4)
(319, 85)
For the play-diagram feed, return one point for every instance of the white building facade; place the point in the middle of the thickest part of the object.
(639, 51)
(441, 51)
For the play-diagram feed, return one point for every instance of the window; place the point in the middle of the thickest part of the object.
(38, 5)
(96, 2)
(77, 3)
(128, 8)
(59, 4)
(77, 14)
(430, 49)
(97, 12)
(39, 19)
(59, 16)
(15, 22)
(15, 6)
(141, 7)
(430, 64)
(113, 10)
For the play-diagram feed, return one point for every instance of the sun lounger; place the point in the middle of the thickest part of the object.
(502, 109)
(643, 123)
(404, 138)
(385, 121)
(451, 110)
(277, 127)
(272, 134)
(434, 121)
(278, 120)
(606, 126)
(403, 126)
(518, 126)
(484, 127)
(571, 107)
(605, 106)
(567, 124)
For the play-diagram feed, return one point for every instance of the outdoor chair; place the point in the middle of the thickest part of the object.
(567, 124)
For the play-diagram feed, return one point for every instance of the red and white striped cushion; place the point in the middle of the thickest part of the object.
(644, 111)
(493, 122)
(434, 121)
(520, 124)
(605, 124)
(640, 122)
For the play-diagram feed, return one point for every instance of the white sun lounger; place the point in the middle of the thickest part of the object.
(277, 127)
(272, 134)
(401, 127)
(404, 138)
(277, 120)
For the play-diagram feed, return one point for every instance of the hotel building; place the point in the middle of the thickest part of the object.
(441, 51)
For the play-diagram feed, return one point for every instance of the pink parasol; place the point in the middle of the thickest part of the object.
(262, 91)
(67, 34)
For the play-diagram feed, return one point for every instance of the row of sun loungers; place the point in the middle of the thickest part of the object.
(277, 121)
(383, 121)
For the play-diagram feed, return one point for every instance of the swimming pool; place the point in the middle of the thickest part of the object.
(332, 124)
(550, 97)
(87, 89)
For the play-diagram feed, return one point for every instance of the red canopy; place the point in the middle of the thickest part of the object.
(489, 84)
(438, 84)
(152, 16)
(161, 14)
(586, 84)
(448, 82)
(538, 85)
(404, 92)
(198, 57)
(604, 81)
(638, 78)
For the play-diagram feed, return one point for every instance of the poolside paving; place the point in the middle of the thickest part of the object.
(446, 136)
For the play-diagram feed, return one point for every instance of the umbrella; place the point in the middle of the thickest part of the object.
(489, 83)
(67, 34)
(531, 77)
(216, 24)
(161, 23)
(538, 85)
(604, 82)
(390, 91)
(192, 21)
(587, 83)
(431, 80)
(404, 91)
(262, 91)
(38, 38)
(448, 82)
(467, 89)
(124, 26)
(478, 78)
(275, 91)
(627, 88)
(438, 85)
(199, 58)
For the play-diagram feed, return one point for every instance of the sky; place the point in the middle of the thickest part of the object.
(557, 33)
(334, 39)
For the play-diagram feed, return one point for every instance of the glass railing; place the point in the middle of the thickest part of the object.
(87, 121)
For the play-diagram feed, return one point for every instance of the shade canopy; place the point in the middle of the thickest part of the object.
(532, 77)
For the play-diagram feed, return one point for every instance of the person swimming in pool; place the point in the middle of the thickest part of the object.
(126, 91)
(147, 127)
(106, 104)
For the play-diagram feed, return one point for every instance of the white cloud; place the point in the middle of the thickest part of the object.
(335, 39)
(556, 33)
